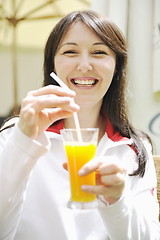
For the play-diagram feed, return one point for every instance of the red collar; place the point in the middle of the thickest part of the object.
(113, 134)
(56, 128)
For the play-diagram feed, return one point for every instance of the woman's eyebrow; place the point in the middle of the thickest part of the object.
(99, 43)
(75, 44)
(68, 43)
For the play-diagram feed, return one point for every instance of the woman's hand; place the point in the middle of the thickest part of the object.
(110, 178)
(42, 107)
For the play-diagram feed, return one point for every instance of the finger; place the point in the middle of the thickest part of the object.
(96, 164)
(49, 101)
(89, 167)
(113, 179)
(98, 189)
(110, 168)
(103, 165)
(56, 114)
(102, 190)
(52, 89)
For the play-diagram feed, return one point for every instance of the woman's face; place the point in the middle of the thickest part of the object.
(85, 64)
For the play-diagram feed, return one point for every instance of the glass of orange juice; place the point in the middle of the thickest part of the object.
(79, 152)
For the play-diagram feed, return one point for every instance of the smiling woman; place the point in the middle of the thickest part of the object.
(85, 64)
(88, 52)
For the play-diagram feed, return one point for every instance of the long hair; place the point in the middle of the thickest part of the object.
(114, 102)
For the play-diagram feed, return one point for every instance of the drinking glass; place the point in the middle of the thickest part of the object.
(80, 148)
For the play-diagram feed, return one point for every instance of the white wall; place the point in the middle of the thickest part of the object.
(144, 105)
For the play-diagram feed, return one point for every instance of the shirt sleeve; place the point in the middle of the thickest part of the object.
(18, 156)
(135, 215)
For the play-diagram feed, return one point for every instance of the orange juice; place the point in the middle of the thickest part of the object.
(78, 155)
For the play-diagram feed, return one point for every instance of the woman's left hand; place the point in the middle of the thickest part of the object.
(110, 178)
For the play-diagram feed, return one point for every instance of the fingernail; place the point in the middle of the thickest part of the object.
(74, 93)
(81, 172)
(84, 187)
(74, 105)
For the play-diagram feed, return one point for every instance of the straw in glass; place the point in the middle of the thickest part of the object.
(75, 116)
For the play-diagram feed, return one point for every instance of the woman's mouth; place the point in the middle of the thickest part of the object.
(84, 82)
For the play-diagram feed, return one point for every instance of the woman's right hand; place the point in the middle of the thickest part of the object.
(40, 108)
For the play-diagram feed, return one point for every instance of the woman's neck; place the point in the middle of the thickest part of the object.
(88, 118)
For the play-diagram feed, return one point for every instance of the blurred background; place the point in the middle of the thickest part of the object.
(26, 24)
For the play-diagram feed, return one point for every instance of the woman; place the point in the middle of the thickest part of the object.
(88, 53)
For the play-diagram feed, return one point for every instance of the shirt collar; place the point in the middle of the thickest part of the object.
(112, 133)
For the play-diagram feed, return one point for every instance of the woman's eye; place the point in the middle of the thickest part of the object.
(100, 52)
(69, 52)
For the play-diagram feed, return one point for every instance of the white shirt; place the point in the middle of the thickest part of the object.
(34, 191)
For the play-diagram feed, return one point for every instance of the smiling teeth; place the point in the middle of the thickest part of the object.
(84, 82)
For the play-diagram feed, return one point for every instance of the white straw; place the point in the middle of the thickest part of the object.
(62, 84)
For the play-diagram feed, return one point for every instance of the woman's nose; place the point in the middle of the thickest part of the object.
(84, 64)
